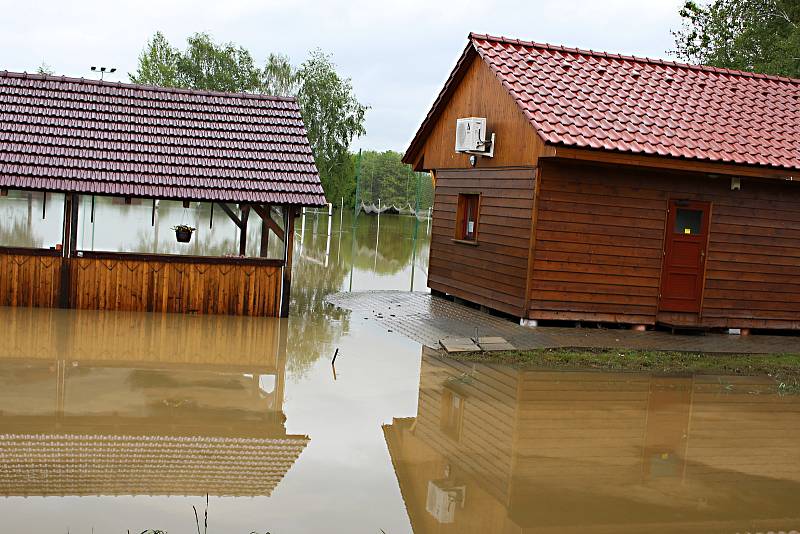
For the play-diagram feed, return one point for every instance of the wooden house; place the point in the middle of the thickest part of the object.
(620, 189)
(240, 153)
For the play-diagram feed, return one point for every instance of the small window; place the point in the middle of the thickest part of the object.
(467, 222)
(689, 222)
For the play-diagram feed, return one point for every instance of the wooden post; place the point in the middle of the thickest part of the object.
(288, 244)
(243, 230)
(264, 238)
(73, 231)
(68, 245)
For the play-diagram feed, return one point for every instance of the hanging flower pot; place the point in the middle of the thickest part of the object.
(183, 233)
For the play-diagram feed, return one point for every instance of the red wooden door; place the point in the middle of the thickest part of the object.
(684, 256)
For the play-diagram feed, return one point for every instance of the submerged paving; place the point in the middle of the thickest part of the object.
(428, 319)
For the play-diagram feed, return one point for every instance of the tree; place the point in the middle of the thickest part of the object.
(211, 66)
(755, 35)
(158, 64)
(332, 115)
(46, 69)
(279, 77)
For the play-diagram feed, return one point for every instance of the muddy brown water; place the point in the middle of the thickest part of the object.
(112, 422)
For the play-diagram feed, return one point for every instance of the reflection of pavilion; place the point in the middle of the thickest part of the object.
(95, 403)
(494, 449)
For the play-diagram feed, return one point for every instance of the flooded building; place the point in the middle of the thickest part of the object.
(586, 186)
(69, 143)
(498, 449)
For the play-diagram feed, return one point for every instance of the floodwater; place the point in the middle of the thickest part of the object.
(112, 422)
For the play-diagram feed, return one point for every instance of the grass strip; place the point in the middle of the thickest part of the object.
(783, 368)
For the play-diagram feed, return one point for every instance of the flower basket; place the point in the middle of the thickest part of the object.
(183, 233)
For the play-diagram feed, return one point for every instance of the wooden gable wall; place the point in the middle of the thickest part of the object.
(480, 94)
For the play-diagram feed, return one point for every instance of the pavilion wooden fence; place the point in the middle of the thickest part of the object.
(141, 282)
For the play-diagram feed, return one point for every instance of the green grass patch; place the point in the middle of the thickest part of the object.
(783, 368)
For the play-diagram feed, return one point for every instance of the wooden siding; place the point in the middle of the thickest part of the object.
(590, 449)
(571, 423)
(29, 278)
(480, 94)
(484, 448)
(599, 247)
(157, 285)
(493, 272)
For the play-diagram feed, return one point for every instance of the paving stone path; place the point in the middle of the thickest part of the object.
(428, 319)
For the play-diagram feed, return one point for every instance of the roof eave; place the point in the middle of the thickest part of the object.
(639, 159)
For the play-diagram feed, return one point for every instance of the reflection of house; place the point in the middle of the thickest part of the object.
(535, 451)
(186, 417)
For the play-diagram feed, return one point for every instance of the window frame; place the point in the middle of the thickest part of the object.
(467, 200)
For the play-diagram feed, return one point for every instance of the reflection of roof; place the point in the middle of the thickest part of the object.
(88, 136)
(85, 464)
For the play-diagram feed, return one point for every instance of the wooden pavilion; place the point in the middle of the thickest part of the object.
(619, 189)
(85, 137)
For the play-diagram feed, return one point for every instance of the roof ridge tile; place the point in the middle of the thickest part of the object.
(143, 87)
(651, 61)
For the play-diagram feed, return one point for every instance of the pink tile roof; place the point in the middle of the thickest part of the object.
(87, 136)
(587, 99)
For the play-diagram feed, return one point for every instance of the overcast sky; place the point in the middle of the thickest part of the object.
(398, 54)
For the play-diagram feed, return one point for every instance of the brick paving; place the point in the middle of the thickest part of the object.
(428, 319)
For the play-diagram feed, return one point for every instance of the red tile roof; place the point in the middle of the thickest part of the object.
(87, 136)
(587, 99)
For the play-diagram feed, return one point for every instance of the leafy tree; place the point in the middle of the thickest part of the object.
(158, 64)
(756, 35)
(279, 77)
(340, 183)
(207, 65)
(333, 117)
(384, 176)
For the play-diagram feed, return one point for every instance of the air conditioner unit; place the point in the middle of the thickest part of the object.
(471, 137)
(442, 500)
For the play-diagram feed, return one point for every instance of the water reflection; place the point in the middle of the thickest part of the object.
(159, 406)
(97, 403)
(331, 254)
(497, 449)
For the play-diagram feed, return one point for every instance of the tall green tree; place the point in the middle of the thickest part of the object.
(279, 77)
(333, 118)
(756, 35)
(158, 64)
(205, 64)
